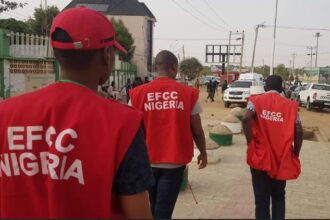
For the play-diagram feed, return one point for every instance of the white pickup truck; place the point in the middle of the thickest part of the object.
(315, 95)
(238, 92)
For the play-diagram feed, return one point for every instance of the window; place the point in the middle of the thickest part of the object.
(241, 84)
(321, 87)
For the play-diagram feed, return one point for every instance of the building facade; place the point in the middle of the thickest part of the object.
(317, 74)
(139, 20)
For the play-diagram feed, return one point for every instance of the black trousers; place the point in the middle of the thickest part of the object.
(265, 189)
(164, 193)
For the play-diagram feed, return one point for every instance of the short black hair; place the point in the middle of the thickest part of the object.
(166, 60)
(72, 59)
(274, 82)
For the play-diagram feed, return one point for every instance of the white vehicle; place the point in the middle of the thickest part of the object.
(315, 95)
(258, 78)
(238, 92)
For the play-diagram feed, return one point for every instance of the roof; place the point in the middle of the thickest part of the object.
(115, 7)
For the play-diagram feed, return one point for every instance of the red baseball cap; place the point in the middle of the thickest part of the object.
(88, 29)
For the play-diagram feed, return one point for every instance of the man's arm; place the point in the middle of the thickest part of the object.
(246, 123)
(199, 138)
(298, 138)
(133, 179)
(136, 206)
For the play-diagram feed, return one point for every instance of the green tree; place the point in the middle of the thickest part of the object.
(264, 70)
(125, 38)
(14, 25)
(42, 20)
(190, 67)
(10, 5)
(206, 70)
(282, 71)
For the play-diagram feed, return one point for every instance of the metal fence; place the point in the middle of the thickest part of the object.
(27, 63)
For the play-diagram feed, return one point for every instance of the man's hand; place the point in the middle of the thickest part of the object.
(202, 160)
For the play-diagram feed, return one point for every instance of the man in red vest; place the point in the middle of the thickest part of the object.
(65, 151)
(172, 122)
(274, 136)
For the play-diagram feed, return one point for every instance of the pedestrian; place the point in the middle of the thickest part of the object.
(210, 86)
(172, 122)
(274, 136)
(197, 83)
(128, 86)
(224, 86)
(137, 82)
(67, 152)
(146, 79)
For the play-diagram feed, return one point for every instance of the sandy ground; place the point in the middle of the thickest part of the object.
(224, 190)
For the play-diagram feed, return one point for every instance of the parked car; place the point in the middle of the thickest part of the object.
(315, 95)
(238, 92)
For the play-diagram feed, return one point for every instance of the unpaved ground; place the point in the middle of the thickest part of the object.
(316, 120)
(224, 190)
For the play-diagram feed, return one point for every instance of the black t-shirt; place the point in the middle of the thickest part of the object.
(134, 174)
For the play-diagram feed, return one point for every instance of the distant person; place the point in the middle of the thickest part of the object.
(146, 80)
(210, 86)
(128, 86)
(137, 82)
(274, 136)
(66, 152)
(224, 86)
(197, 83)
(103, 91)
(172, 122)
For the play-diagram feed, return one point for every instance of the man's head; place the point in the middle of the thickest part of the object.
(274, 82)
(84, 42)
(166, 64)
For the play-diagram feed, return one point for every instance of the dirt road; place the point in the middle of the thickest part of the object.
(319, 121)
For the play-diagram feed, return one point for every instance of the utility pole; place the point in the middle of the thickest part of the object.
(293, 58)
(228, 51)
(184, 57)
(274, 40)
(311, 54)
(242, 50)
(317, 46)
(255, 44)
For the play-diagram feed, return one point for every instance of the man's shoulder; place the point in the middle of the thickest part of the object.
(120, 108)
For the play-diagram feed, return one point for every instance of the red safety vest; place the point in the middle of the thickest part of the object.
(166, 105)
(60, 149)
(271, 147)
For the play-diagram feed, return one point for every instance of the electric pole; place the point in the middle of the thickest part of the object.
(255, 44)
(228, 51)
(242, 50)
(311, 54)
(317, 46)
(293, 57)
(274, 40)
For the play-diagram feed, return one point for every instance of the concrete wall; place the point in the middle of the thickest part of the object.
(137, 26)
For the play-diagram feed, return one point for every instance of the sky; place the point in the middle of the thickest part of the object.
(196, 23)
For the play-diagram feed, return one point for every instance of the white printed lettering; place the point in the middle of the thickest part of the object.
(12, 137)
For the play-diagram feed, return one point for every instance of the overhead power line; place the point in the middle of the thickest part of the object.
(216, 14)
(300, 28)
(197, 18)
(203, 15)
